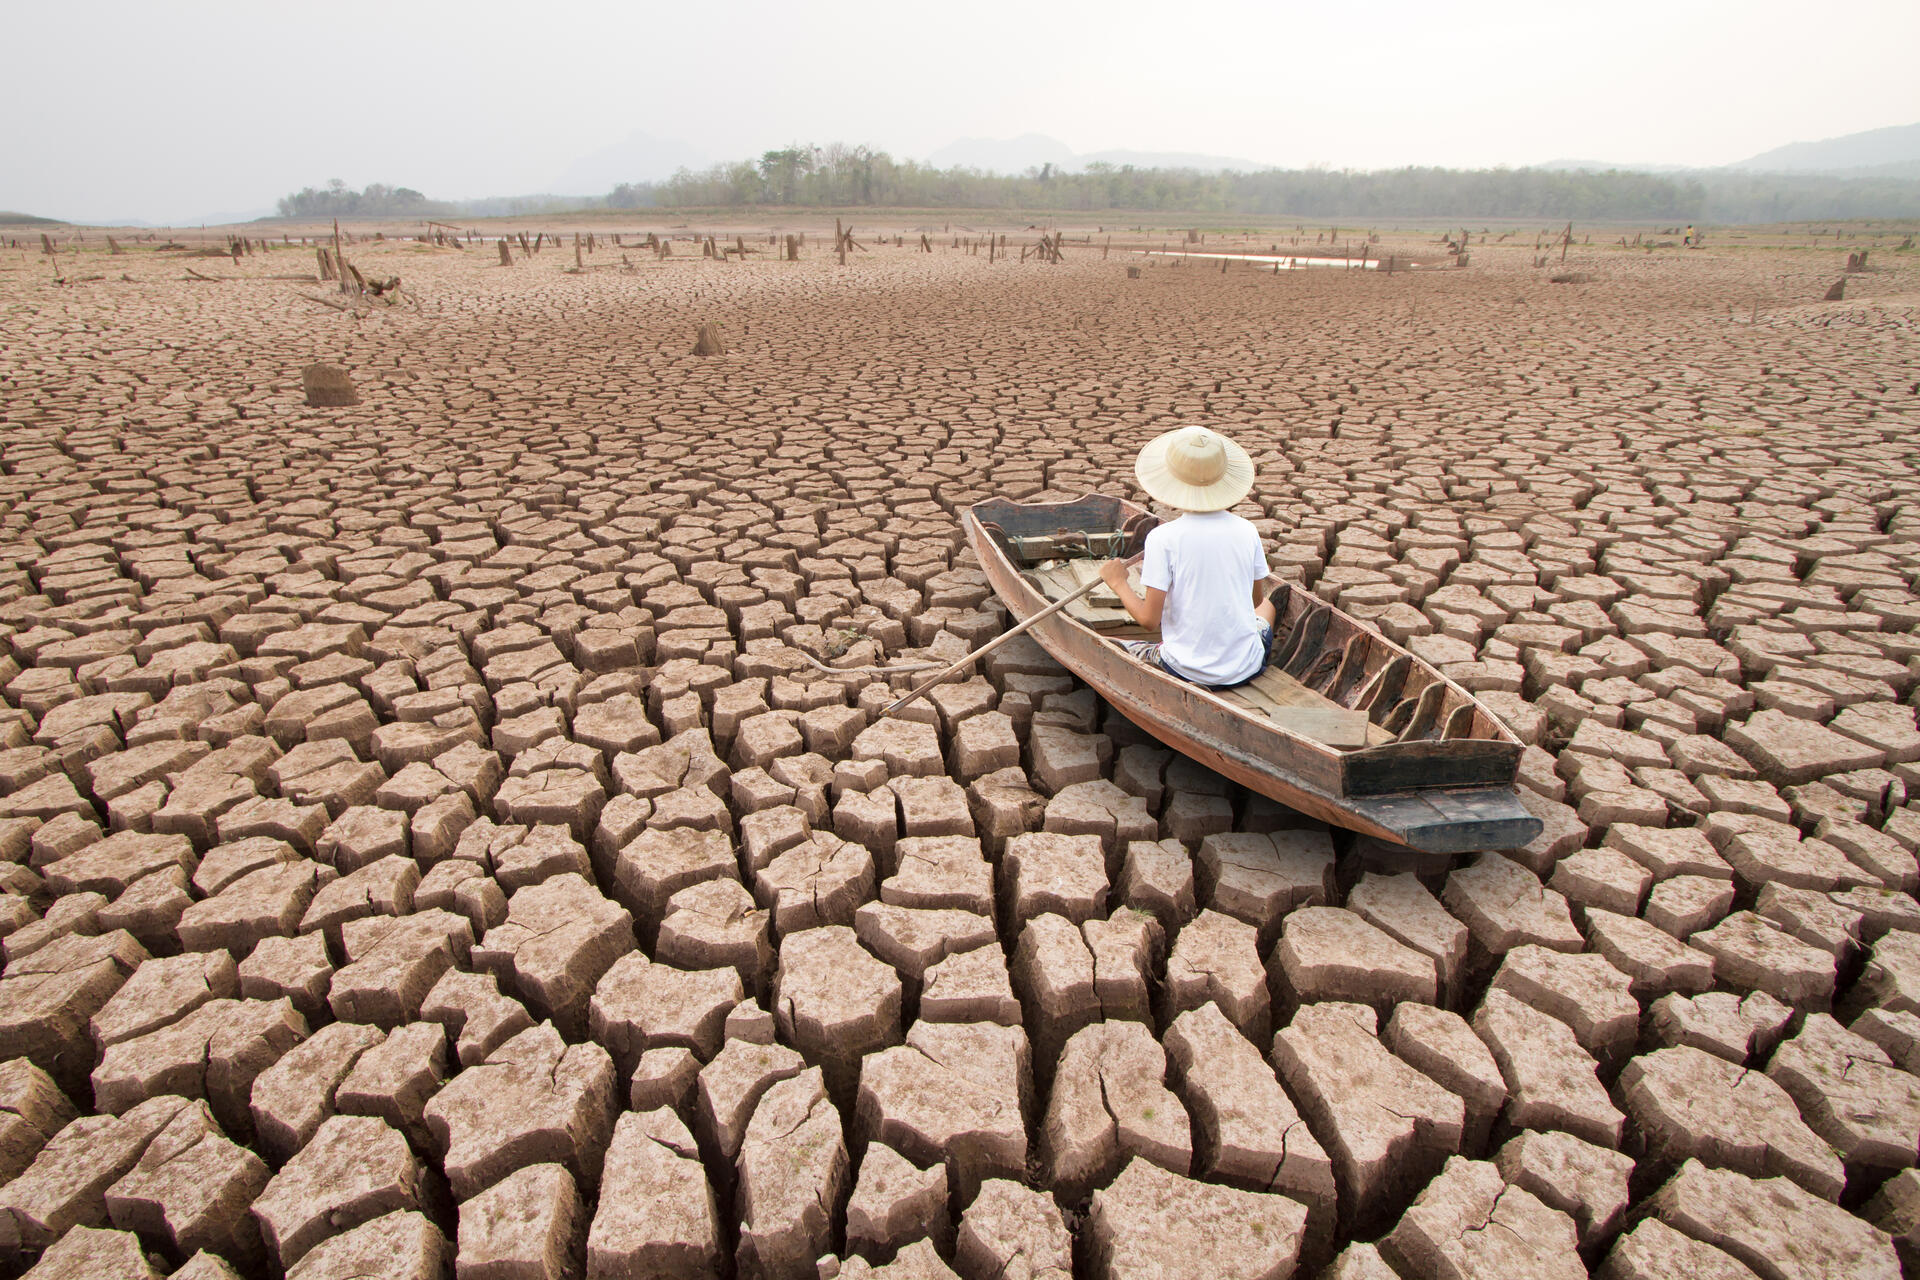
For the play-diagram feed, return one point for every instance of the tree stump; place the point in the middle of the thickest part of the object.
(328, 386)
(1839, 291)
(1133, 273)
(506, 254)
(709, 341)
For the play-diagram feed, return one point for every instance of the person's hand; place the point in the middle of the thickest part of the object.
(1114, 572)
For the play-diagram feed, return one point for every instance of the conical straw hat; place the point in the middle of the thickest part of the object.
(1194, 469)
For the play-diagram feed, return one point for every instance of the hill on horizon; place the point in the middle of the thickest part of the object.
(1893, 152)
(8, 218)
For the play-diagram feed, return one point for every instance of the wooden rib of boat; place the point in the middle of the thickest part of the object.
(1343, 725)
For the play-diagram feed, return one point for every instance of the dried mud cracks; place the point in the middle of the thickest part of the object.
(425, 849)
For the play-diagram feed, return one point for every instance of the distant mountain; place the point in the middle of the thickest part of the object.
(1609, 166)
(1035, 150)
(1893, 152)
(639, 157)
(10, 219)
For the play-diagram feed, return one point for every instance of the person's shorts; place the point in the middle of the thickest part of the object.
(1149, 653)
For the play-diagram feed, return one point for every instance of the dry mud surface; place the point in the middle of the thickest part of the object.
(426, 850)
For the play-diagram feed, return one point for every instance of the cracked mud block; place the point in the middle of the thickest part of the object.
(1653, 1250)
(1099, 808)
(1109, 1103)
(793, 1173)
(1058, 757)
(971, 986)
(150, 909)
(870, 818)
(1780, 1230)
(382, 888)
(1003, 806)
(292, 1098)
(1015, 1232)
(1750, 954)
(527, 1226)
(640, 1004)
(296, 969)
(48, 999)
(1689, 1104)
(559, 938)
(1851, 1094)
(1246, 1131)
(1157, 877)
(1216, 958)
(1386, 1126)
(90, 1253)
(1895, 1209)
(657, 864)
(894, 1203)
(1260, 877)
(403, 1245)
(1602, 880)
(1686, 905)
(216, 1052)
(1891, 979)
(730, 1087)
(474, 1013)
(163, 990)
(656, 1214)
(1552, 1083)
(1042, 873)
(918, 1261)
(267, 903)
(913, 939)
(1585, 1182)
(1777, 854)
(116, 863)
(1817, 919)
(835, 1002)
(394, 1079)
(664, 1078)
(1653, 960)
(1126, 951)
(1787, 750)
(230, 860)
(821, 881)
(393, 962)
(535, 1100)
(1400, 906)
(1584, 991)
(355, 1169)
(190, 1190)
(1054, 975)
(983, 744)
(931, 807)
(715, 923)
(1895, 1031)
(954, 1094)
(360, 835)
(1469, 1224)
(941, 871)
(1669, 851)
(1504, 906)
(1440, 1045)
(1326, 953)
(546, 851)
(32, 1110)
(908, 748)
(65, 1186)
(1733, 1027)
(1150, 1222)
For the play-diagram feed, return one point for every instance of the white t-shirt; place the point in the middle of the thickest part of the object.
(1207, 563)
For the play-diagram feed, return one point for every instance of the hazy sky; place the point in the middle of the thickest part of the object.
(180, 111)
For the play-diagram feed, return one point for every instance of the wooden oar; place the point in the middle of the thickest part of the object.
(990, 646)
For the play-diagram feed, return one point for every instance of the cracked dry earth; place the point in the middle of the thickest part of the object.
(427, 852)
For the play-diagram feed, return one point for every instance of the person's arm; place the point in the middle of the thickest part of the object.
(1146, 611)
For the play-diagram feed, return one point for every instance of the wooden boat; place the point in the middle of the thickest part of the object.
(1343, 724)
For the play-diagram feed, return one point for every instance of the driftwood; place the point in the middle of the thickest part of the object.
(328, 386)
(709, 341)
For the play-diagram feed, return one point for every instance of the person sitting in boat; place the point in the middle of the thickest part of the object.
(1204, 572)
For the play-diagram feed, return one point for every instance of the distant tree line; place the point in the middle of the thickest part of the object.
(338, 200)
(840, 176)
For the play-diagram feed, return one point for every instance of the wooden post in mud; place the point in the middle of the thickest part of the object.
(1565, 240)
(340, 263)
(506, 254)
(989, 248)
(839, 243)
